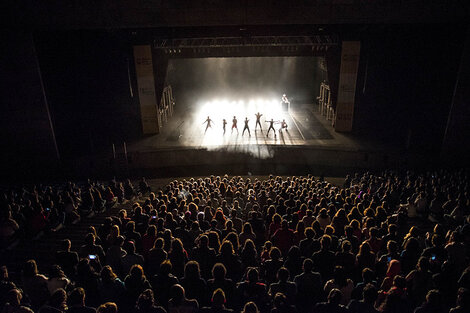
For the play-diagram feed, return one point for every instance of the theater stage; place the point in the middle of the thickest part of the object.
(306, 127)
(310, 145)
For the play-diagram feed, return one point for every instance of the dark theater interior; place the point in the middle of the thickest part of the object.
(235, 156)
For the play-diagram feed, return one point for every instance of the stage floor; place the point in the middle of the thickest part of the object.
(306, 127)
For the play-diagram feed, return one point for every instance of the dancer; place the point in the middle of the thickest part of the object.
(246, 127)
(208, 121)
(258, 122)
(271, 126)
(285, 103)
(234, 124)
(224, 122)
(283, 126)
(284, 98)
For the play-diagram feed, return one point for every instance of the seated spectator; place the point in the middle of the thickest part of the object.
(309, 287)
(283, 238)
(163, 282)
(131, 258)
(396, 298)
(252, 290)
(56, 303)
(272, 265)
(6, 285)
(144, 187)
(217, 303)
(419, 281)
(67, 259)
(324, 260)
(146, 303)
(178, 257)
(323, 218)
(148, 240)
(8, 229)
(135, 283)
(231, 261)
(34, 285)
(368, 278)
(463, 301)
(111, 288)
(341, 282)
(410, 255)
(131, 235)
(250, 307)
(204, 255)
(309, 245)
(88, 279)
(91, 248)
(346, 258)
(249, 255)
(57, 279)
(179, 303)
(333, 305)
(129, 192)
(108, 307)
(394, 269)
(219, 281)
(156, 256)
(281, 305)
(193, 284)
(374, 241)
(246, 234)
(12, 301)
(366, 304)
(365, 257)
(109, 197)
(115, 254)
(77, 302)
(433, 303)
(287, 288)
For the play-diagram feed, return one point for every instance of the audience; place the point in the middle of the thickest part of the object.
(233, 244)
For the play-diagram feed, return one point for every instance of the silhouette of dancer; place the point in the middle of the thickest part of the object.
(258, 122)
(234, 123)
(208, 121)
(224, 122)
(271, 126)
(246, 127)
(283, 126)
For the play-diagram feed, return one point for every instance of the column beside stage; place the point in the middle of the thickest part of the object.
(350, 54)
(146, 85)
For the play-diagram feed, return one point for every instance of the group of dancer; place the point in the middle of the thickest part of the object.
(258, 115)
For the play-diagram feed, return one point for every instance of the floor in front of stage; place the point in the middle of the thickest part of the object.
(306, 127)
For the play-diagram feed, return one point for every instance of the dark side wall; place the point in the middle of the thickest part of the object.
(408, 74)
(456, 146)
(27, 139)
(87, 83)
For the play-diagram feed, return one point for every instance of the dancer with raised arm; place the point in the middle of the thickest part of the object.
(246, 127)
(208, 121)
(234, 123)
(271, 126)
(258, 122)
